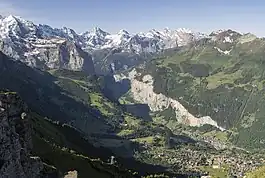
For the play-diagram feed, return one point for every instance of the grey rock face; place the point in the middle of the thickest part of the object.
(71, 174)
(50, 54)
(64, 55)
(41, 46)
(143, 92)
(15, 139)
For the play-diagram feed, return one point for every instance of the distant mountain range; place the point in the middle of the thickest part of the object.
(45, 47)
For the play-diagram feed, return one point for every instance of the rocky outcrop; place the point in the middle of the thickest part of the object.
(143, 92)
(55, 53)
(71, 174)
(15, 140)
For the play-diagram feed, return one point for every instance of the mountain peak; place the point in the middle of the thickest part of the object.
(167, 30)
(97, 30)
(16, 26)
(184, 30)
(216, 32)
(11, 17)
(68, 30)
(9, 20)
(122, 31)
(222, 32)
(153, 30)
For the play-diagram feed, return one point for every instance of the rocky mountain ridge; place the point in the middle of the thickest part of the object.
(41, 47)
(45, 47)
(97, 38)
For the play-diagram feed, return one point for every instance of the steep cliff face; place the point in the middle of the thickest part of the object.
(60, 54)
(15, 139)
(143, 92)
(55, 53)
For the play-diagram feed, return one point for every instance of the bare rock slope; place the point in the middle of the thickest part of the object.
(15, 140)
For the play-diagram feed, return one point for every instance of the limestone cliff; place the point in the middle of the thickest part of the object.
(143, 92)
(54, 53)
(15, 140)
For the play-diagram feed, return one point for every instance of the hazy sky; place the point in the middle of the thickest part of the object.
(142, 15)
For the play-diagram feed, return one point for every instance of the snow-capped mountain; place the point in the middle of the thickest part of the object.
(46, 47)
(97, 38)
(151, 41)
(42, 46)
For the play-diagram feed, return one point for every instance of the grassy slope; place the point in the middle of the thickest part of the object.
(44, 93)
(231, 89)
(129, 129)
(87, 90)
(65, 96)
(64, 148)
(258, 173)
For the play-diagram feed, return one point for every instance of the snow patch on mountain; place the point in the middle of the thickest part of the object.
(15, 26)
(228, 39)
(223, 52)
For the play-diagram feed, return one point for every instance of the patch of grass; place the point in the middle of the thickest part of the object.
(258, 173)
(125, 132)
(248, 120)
(126, 98)
(159, 119)
(101, 104)
(132, 121)
(215, 173)
(222, 136)
(148, 140)
(95, 99)
(176, 59)
(221, 78)
(109, 104)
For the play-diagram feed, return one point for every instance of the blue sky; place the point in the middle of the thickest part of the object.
(142, 15)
